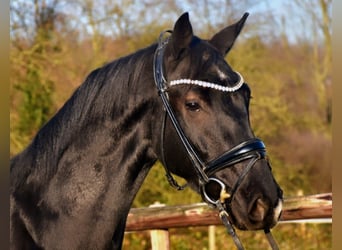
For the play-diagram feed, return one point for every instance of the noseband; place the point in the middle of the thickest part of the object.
(252, 150)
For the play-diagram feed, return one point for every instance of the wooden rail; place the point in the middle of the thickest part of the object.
(164, 217)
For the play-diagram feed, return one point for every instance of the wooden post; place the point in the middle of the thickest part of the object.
(159, 237)
(212, 240)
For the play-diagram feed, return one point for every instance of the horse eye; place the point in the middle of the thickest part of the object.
(193, 106)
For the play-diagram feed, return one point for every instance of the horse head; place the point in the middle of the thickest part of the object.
(209, 140)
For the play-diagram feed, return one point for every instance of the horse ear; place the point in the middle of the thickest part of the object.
(182, 34)
(225, 39)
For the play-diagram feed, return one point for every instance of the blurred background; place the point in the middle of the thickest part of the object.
(283, 52)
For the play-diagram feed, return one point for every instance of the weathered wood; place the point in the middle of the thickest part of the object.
(212, 238)
(308, 207)
(305, 207)
(160, 239)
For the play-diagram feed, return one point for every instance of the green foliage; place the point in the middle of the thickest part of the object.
(37, 103)
(288, 237)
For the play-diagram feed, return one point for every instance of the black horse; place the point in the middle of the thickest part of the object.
(73, 186)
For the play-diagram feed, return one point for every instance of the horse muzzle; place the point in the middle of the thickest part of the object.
(248, 210)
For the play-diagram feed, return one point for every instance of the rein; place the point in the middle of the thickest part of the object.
(252, 150)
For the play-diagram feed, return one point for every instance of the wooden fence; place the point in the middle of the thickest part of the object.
(163, 217)
(159, 218)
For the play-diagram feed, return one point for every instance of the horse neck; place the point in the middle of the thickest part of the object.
(91, 158)
(99, 134)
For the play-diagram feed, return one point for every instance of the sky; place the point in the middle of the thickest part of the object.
(278, 15)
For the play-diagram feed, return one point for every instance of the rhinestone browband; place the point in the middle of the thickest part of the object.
(209, 84)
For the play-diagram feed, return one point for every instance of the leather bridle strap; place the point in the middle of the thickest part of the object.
(245, 150)
(162, 87)
(270, 239)
(224, 216)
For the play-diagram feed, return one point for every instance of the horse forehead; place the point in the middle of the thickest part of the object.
(205, 56)
(222, 75)
(214, 65)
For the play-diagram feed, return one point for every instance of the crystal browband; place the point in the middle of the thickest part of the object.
(209, 84)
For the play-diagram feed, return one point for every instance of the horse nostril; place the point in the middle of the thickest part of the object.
(258, 210)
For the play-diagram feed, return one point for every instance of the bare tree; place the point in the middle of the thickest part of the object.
(317, 32)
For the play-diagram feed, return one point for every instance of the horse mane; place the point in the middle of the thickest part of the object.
(105, 94)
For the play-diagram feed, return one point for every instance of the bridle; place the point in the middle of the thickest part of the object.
(252, 150)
